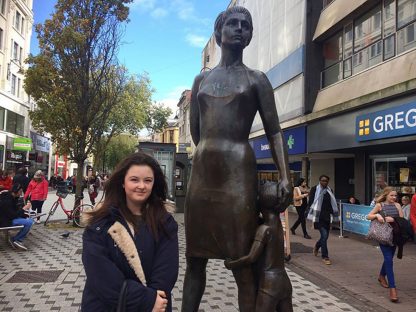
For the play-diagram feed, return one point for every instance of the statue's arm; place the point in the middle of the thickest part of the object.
(194, 109)
(268, 114)
(260, 241)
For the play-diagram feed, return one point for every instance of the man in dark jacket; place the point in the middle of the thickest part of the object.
(12, 215)
(22, 178)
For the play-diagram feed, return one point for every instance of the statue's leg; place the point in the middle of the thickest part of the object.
(285, 305)
(194, 283)
(247, 288)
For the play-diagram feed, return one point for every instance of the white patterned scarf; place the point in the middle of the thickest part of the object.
(315, 208)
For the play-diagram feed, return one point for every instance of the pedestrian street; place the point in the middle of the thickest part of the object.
(50, 277)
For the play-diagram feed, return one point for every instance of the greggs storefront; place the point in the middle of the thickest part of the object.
(380, 140)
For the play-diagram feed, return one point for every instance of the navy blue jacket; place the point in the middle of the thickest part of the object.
(106, 266)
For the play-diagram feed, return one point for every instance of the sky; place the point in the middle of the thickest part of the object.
(164, 38)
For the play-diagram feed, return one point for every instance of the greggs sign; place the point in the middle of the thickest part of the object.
(392, 122)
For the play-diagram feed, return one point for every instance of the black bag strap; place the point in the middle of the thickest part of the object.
(121, 304)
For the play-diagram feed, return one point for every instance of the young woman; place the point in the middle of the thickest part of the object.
(131, 241)
(300, 200)
(386, 205)
(38, 192)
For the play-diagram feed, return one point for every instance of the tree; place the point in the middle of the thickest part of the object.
(157, 117)
(75, 80)
(117, 148)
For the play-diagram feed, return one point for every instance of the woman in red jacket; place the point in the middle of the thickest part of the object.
(38, 191)
(6, 181)
(413, 215)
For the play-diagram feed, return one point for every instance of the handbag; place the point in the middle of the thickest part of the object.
(121, 304)
(381, 232)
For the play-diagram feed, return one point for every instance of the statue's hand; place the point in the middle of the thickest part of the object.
(229, 264)
(286, 194)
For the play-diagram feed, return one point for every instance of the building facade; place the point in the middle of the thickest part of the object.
(18, 146)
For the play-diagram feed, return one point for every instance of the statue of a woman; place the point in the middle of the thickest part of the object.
(221, 214)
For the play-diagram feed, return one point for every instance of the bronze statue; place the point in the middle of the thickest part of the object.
(267, 251)
(221, 214)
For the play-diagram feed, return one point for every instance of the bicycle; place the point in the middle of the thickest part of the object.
(72, 215)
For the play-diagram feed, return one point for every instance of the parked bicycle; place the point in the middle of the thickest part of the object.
(72, 215)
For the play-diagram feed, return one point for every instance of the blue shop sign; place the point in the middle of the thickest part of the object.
(295, 139)
(354, 218)
(392, 122)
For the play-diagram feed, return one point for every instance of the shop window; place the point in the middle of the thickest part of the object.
(406, 38)
(406, 12)
(389, 14)
(15, 123)
(399, 173)
(367, 29)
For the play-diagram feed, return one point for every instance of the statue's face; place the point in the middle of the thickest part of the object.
(236, 31)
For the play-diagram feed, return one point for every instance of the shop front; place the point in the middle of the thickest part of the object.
(380, 138)
(16, 153)
(295, 139)
(39, 155)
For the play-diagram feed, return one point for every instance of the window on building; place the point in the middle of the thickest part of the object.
(2, 6)
(20, 55)
(1, 39)
(13, 85)
(2, 115)
(17, 20)
(15, 55)
(389, 14)
(406, 38)
(19, 82)
(15, 123)
(370, 39)
(332, 53)
(367, 29)
(406, 12)
(171, 136)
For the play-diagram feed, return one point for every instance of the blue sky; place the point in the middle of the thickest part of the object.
(164, 38)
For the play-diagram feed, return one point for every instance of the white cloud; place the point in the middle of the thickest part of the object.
(143, 4)
(196, 40)
(172, 99)
(159, 13)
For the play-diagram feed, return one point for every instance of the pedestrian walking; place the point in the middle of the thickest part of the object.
(92, 186)
(11, 214)
(300, 200)
(131, 241)
(406, 207)
(322, 207)
(37, 192)
(386, 210)
(413, 215)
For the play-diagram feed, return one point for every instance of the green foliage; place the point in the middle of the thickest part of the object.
(157, 117)
(118, 148)
(75, 79)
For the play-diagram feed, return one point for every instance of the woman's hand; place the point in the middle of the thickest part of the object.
(161, 302)
(380, 218)
(389, 219)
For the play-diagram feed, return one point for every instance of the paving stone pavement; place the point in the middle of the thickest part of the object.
(49, 251)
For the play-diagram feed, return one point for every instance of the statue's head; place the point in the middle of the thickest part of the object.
(233, 12)
(269, 199)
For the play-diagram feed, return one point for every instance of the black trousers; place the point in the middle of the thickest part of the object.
(301, 219)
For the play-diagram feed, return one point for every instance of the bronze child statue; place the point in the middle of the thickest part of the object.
(275, 291)
(221, 213)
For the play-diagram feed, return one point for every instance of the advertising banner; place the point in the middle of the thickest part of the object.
(22, 144)
(354, 218)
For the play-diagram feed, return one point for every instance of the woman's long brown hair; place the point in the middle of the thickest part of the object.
(115, 196)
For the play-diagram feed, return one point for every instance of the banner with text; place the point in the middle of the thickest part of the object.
(354, 218)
